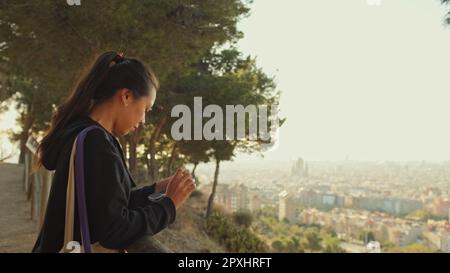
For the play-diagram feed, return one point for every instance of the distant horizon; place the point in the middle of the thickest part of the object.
(331, 161)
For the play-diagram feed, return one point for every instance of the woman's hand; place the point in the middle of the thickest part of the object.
(180, 187)
(161, 186)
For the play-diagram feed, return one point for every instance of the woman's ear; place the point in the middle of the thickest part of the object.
(126, 96)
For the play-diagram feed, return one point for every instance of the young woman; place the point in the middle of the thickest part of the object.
(114, 94)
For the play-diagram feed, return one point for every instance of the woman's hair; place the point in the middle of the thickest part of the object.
(110, 72)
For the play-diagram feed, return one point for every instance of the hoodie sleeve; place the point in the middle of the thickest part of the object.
(112, 221)
(139, 196)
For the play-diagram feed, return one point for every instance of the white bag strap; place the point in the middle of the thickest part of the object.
(70, 201)
(70, 211)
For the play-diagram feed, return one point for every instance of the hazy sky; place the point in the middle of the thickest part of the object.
(368, 82)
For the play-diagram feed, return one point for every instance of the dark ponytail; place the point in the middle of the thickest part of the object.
(109, 73)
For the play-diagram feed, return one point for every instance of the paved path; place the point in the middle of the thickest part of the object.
(17, 231)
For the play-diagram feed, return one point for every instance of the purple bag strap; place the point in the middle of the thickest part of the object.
(79, 188)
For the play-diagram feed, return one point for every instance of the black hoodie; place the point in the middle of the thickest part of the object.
(118, 213)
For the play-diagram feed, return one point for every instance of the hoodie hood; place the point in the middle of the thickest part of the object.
(62, 138)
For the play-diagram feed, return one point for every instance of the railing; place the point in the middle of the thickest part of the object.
(37, 186)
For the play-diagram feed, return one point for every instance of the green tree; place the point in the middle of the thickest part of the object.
(278, 246)
(331, 245)
(227, 78)
(414, 248)
(366, 236)
(387, 246)
(447, 20)
(47, 43)
(421, 215)
(312, 240)
(243, 218)
(221, 228)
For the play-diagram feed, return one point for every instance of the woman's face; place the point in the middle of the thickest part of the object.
(133, 111)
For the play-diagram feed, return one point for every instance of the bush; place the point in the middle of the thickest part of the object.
(235, 239)
(244, 219)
